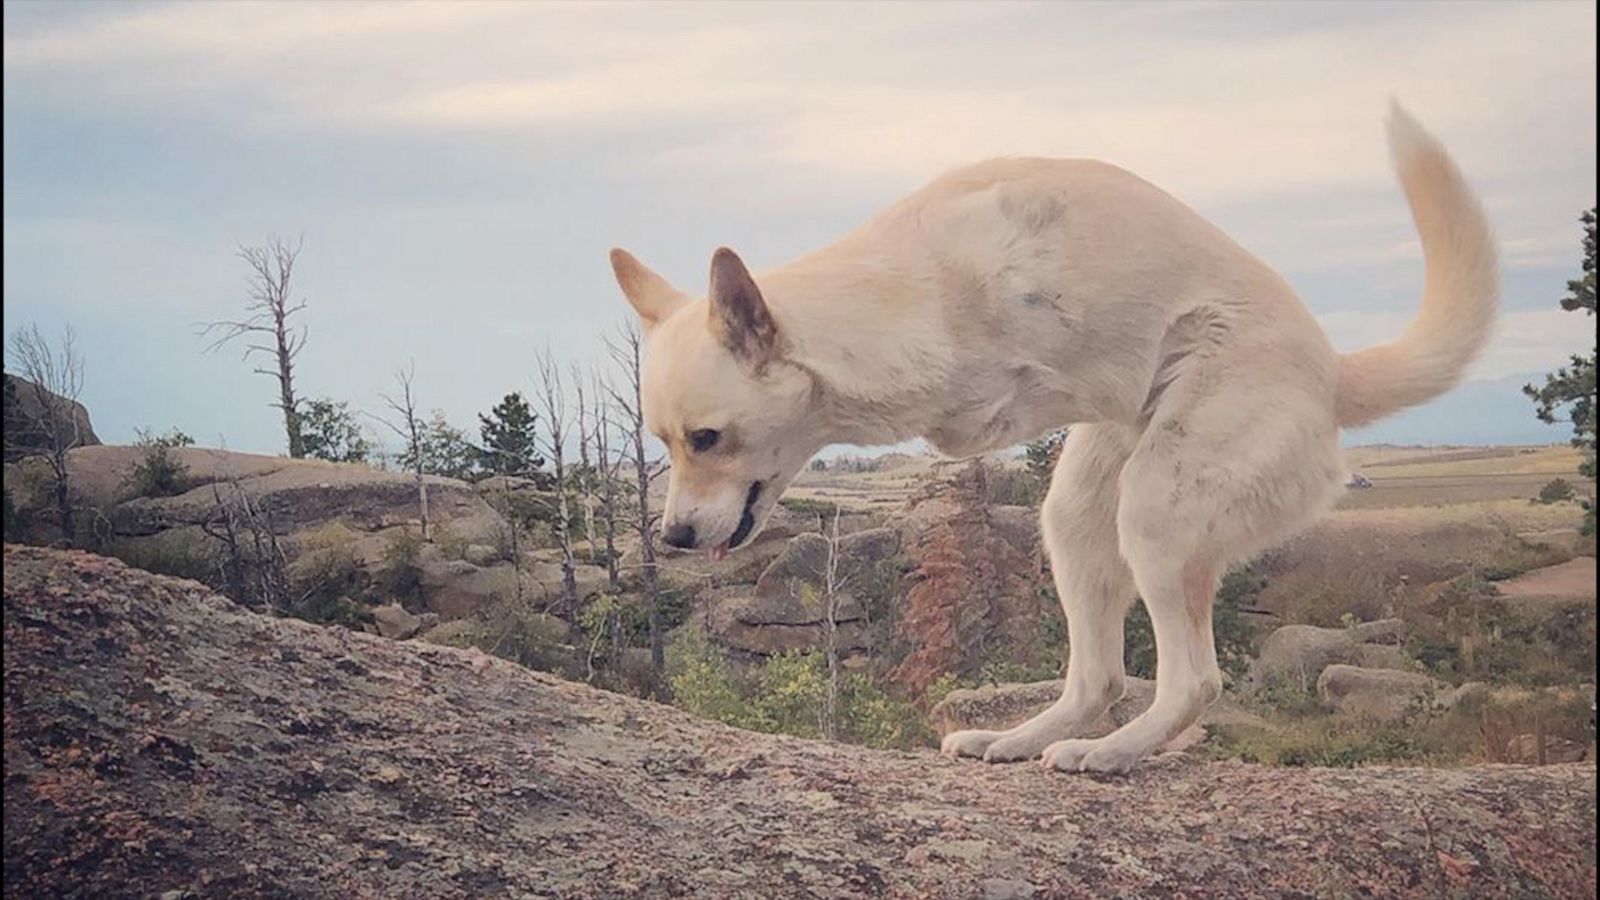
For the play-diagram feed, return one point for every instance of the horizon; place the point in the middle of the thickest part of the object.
(459, 171)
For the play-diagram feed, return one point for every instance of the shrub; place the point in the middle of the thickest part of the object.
(1556, 490)
(159, 472)
(1234, 635)
(326, 576)
(703, 682)
(399, 575)
(181, 553)
(807, 506)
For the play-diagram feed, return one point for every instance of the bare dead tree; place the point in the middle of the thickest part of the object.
(408, 427)
(586, 473)
(627, 349)
(266, 327)
(552, 397)
(253, 565)
(831, 597)
(47, 420)
(608, 470)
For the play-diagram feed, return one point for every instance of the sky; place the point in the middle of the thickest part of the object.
(458, 171)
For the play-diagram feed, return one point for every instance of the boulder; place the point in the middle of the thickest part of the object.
(1300, 652)
(1383, 694)
(25, 428)
(782, 623)
(481, 554)
(393, 621)
(1524, 748)
(803, 563)
(455, 588)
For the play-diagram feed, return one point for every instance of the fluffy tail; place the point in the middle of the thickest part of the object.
(1461, 291)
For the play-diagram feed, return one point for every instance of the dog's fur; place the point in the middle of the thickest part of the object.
(1020, 295)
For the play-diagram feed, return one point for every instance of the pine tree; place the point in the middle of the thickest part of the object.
(510, 439)
(1572, 387)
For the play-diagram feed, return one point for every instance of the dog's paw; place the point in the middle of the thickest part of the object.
(969, 743)
(1015, 748)
(1098, 755)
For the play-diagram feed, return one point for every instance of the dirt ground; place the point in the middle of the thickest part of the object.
(1574, 578)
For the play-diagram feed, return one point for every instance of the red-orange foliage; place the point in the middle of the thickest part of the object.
(971, 593)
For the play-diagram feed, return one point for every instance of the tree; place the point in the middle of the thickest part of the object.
(1572, 388)
(268, 310)
(410, 429)
(1041, 456)
(626, 349)
(445, 450)
(329, 430)
(553, 397)
(47, 418)
(510, 439)
(969, 592)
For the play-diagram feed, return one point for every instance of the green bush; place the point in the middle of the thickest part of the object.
(1235, 636)
(399, 575)
(807, 506)
(181, 553)
(1556, 490)
(326, 578)
(159, 472)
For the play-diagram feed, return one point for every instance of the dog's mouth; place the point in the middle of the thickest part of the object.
(747, 522)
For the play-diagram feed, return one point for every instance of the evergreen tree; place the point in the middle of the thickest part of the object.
(510, 439)
(1572, 387)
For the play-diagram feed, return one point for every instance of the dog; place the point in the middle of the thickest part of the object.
(1020, 295)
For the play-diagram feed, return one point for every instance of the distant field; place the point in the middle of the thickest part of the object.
(1410, 476)
(1401, 476)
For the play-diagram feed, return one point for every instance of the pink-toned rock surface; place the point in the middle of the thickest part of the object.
(160, 739)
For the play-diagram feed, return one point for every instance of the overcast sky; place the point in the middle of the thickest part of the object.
(459, 170)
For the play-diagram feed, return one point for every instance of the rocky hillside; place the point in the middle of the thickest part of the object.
(161, 741)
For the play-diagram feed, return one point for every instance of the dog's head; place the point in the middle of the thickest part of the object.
(734, 413)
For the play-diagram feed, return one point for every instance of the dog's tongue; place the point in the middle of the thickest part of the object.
(718, 553)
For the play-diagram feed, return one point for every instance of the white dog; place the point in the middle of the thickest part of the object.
(1020, 295)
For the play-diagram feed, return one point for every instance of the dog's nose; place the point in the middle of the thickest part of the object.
(680, 536)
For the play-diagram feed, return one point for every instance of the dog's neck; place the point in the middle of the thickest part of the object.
(872, 336)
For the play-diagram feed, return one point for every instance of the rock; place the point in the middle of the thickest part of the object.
(1524, 748)
(455, 588)
(26, 433)
(508, 782)
(1300, 652)
(804, 561)
(481, 554)
(394, 622)
(783, 623)
(1383, 656)
(1001, 706)
(1007, 889)
(1382, 694)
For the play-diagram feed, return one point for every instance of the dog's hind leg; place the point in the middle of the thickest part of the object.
(1211, 484)
(1078, 522)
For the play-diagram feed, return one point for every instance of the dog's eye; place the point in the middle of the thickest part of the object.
(704, 439)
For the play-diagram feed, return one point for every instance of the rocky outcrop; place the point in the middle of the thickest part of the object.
(1299, 653)
(1385, 695)
(1000, 706)
(161, 741)
(787, 609)
(25, 427)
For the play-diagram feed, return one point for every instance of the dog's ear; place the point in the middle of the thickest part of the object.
(652, 297)
(739, 316)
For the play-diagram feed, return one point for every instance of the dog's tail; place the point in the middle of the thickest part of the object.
(1460, 292)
